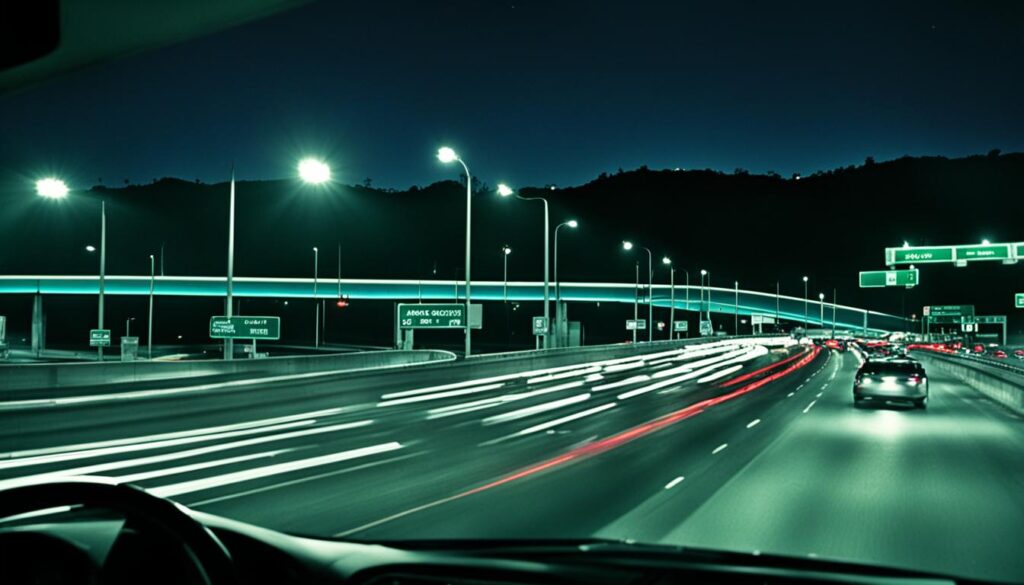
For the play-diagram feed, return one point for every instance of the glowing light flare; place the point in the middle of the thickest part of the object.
(51, 188)
(503, 189)
(446, 155)
(314, 172)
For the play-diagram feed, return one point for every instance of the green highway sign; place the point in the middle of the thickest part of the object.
(680, 326)
(883, 278)
(1018, 300)
(540, 325)
(919, 255)
(432, 316)
(948, 310)
(245, 327)
(960, 255)
(99, 338)
(990, 319)
(947, 319)
(636, 324)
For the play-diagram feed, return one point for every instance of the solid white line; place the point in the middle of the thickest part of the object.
(170, 435)
(626, 382)
(143, 476)
(809, 406)
(535, 409)
(152, 459)
(439, 395)
(206, 483)
(433, 389)
(720, 374)
(674, 483)
(91, 453)
(753, 423)
(565, 419)
(720, 448)
(292, 482)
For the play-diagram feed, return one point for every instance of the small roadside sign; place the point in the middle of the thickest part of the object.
(129, 349)
(540, 325)
(245, 327)
(706, 328)
(680, 326)
(636, 324)
(99, 338)
(1018, 300)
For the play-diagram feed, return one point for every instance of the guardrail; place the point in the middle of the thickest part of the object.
(22, 377)
(1000, 382)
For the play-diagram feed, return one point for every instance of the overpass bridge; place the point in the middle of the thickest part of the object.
(692, 298)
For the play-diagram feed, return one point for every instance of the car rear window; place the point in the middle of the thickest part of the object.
(891, 368)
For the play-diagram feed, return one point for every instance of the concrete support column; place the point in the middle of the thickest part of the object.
(38, 325)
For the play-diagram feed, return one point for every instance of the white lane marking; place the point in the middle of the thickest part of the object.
(452, 386)
(440, 395)
(790, 394)
(92, 453)
(753, 423)
(565, 419)
(142, 476)
(535, 409)
(206, 483)
(818, 395)
(98, 468)
(720, 448)
(564, 375)
(720, 374)
(292, 482)
(666, 383)
(171, 435)
(458, 409)
(809, 406)
(138, 394)
(626, 382)
(593, 378)
(674, 482)
(623, 367)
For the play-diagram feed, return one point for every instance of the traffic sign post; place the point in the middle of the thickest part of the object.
(1008, 253)
(1018, 300)
(706, 328)
(432, 316)
(245, 327)
(681, 326)
(540, 325)
(636, 324)
(129, 349)
(883, 278)
(99, 338)
(949, 310)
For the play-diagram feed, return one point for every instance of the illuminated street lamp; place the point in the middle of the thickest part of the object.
(627, 245)
(506, 191)
(316, 274)
(559, 332)
(447, 155)
(505, 251)
(672, 296)
(805, 303)
(700, 309)
(51, 188)
(821, 305)
(314, 172)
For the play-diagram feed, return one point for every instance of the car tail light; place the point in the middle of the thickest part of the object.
(863, 380)
(914, 380)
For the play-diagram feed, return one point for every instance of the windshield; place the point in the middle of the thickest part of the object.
(445, 270)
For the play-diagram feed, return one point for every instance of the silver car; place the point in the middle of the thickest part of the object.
(893, 380)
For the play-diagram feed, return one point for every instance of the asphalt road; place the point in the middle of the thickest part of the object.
(689, 448)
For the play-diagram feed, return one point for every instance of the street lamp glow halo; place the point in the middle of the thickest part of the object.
(666, 260)
(90, 248)
(572, 223)
(313, 171)
(627, 245)
(446, 155)
(503, 189)
(51, 188)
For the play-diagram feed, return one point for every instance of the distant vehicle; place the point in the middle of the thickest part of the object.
(979, 348)
(897, 380)
(836, 344)
(999, 354)
(1019, 353)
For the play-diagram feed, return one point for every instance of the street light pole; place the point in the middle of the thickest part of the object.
(149, 333)
(776, 305)
(229, 344)
(316, 274)
(821, 306)
(505, 191)
(447, 155)
(672, 303)
(805, 304)
(505, 251)
(103, 265)
(833, 313)
(736, 309)
(636, 300)
(687, 273)
(559, 341)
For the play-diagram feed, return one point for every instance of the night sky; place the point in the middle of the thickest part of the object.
(537, 92)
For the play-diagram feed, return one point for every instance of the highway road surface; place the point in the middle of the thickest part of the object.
(731, 446)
